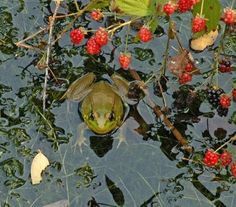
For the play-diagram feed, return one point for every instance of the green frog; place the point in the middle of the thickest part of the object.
(102, 104)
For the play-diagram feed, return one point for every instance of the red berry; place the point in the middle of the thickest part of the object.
(233, 169)
(225, 158)
(234, 94)
(125, 60)
(229, 16)
(184, 5)
(225, 101)
(211, 158)
(101, 36)
(169, 8)
(145, 34)
(77, 35)
(189, 67)
(184, 78)
(96, 14)
(198, 24)
(93, 47)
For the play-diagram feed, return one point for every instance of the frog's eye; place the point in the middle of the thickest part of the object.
(91, 116)
(111, 116)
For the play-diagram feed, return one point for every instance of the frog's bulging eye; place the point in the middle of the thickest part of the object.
(111, 116)
(91, 116)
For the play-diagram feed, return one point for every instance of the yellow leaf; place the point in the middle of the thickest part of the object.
(204, 41)
(39, 163)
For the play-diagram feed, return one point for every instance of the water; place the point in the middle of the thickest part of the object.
(147, 171)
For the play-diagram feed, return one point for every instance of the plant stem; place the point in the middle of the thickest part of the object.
(202, 5)
(231, 139)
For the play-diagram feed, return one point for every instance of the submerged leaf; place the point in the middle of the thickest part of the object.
(39, 163)
(117, 194)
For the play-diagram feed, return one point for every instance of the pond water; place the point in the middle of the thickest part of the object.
(149, 169)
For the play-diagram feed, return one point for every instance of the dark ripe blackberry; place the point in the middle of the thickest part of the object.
(225, 66)
(156, 86)
(222, 111)
(214, 96)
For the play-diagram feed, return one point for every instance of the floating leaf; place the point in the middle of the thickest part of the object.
(39, 163)
(136, 7)
(211, 11)
(204, 41)
(117, 194)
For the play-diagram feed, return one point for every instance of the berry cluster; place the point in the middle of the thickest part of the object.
(189, 67)
(212, 159)
(95, 43)
(225, 101)
(225, 66)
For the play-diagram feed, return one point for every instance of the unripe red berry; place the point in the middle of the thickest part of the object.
(229, 16)
(184, 5)
(225, 158)
(188, 67)
(145, 34)
(77, 35)
(101, 36)
(125, 60)
(184, 78)
(234, 94)
(96, 14)
(198, 24)
(169, 8)
(233, 169)
(93, 47)
(211, 158)
(225, 101)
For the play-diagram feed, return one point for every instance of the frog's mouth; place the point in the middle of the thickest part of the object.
(102, 127)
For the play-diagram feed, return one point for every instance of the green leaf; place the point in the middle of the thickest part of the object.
(211, 11)
(136, 7)
(97, 4)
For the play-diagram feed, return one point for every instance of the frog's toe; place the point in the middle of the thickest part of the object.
(121, 139)
(80, 142)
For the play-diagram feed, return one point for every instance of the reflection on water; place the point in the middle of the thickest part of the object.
(147, 171)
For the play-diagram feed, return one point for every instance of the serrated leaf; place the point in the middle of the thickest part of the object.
(136, 7)
(211, 11)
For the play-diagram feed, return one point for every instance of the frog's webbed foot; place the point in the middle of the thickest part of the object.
(81, 140)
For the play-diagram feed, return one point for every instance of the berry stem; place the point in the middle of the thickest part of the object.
(126, 38)
(202, 5)
(77, 6)
(231, 139)
(232, 4)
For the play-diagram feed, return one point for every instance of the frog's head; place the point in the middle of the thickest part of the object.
(103, 122)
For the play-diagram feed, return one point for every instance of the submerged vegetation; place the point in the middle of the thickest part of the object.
(174, 139)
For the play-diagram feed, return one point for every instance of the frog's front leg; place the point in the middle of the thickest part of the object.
(121, 137)
(81, 139)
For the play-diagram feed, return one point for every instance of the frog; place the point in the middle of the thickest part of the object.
(103, 105)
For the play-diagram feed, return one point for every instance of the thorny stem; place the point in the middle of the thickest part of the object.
(231, 139)
(232, 4)
(51, 23)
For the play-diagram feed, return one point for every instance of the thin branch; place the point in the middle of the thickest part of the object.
(51, 23)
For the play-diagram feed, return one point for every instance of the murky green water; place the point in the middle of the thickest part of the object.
(148, 171)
